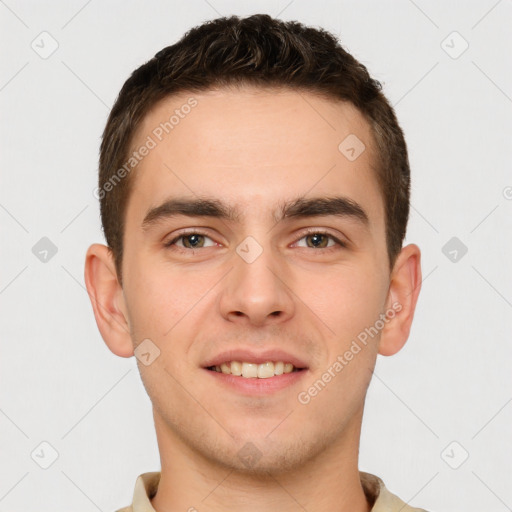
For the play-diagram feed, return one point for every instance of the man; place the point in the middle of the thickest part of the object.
(254, 193)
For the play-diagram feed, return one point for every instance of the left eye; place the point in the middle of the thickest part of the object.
(319, 240)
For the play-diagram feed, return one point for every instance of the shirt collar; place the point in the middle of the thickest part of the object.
(376, 492)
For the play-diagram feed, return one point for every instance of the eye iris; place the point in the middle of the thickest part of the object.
(316, 237)
(188, 238)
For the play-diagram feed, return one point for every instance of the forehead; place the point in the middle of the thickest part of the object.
(254, 148)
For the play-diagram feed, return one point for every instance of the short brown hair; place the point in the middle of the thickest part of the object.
(265, 52)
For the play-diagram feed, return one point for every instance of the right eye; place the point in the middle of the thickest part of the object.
(191, 240)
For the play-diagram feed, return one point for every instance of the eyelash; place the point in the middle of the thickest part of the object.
(340, 243)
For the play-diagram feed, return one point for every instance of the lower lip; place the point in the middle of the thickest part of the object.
(255, 386)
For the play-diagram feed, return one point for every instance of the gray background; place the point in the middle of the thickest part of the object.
(445, 396)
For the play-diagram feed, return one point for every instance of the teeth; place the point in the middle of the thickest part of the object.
(288, 367)
(253, 370)
(265, 370)
(236, 368)
(249, 370)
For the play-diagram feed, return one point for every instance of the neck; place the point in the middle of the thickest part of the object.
(326, 482)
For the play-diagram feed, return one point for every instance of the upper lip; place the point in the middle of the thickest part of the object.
(250, 356)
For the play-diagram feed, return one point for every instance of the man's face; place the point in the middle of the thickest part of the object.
(255, 283)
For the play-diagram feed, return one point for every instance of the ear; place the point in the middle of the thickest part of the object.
(107, 299)
(404, 288)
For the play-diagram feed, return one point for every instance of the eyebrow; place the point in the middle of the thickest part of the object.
(300, 207)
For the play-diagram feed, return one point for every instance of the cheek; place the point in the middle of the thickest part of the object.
(347, 299)
(163, 300)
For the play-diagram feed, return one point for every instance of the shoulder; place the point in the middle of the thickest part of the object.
(383, 499)
(146, 486)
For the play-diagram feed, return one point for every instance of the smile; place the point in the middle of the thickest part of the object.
(253, 370)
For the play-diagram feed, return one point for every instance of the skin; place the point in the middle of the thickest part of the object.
(254, 148)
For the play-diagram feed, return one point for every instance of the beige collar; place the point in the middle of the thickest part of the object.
(376, 493)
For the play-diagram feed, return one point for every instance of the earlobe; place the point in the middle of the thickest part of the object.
(107, 299)
(404, 289)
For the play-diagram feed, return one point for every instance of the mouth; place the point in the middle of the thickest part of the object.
(248, 370)
(256, 379)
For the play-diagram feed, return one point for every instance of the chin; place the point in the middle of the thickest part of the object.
(262, 456)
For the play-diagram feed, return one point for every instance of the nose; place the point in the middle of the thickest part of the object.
(257, 292)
